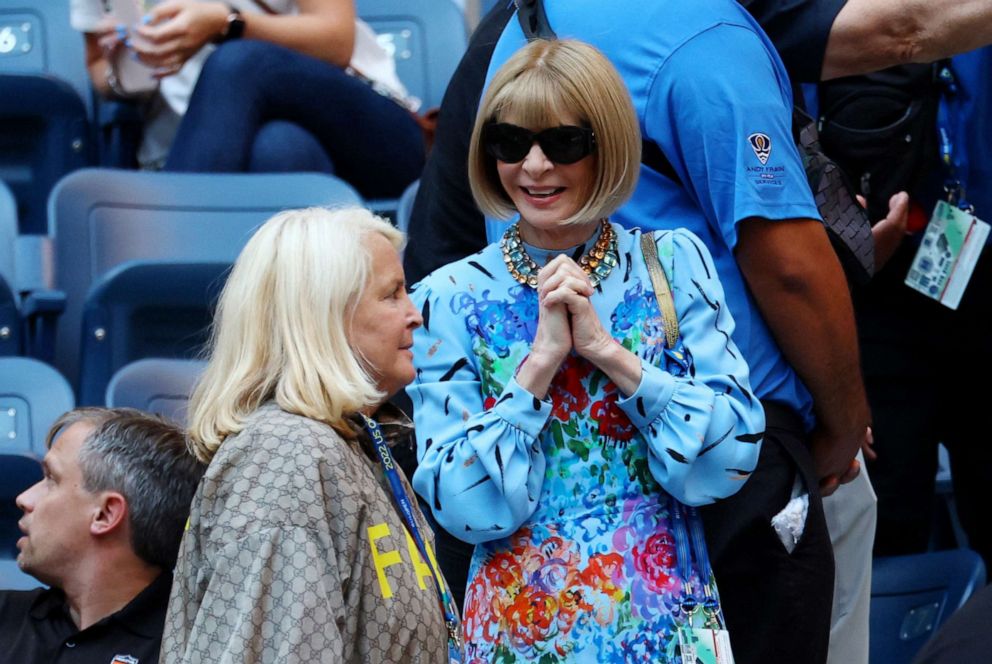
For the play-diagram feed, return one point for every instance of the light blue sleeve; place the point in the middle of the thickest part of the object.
(704, 429)
(480, 470)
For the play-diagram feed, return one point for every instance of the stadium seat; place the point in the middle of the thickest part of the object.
(145, 309)
(10, 321)
(32, 397)
(45, 103)
(115, 230)
(911, 596)
(12, 578)
(36, 38)
(427, 39)
(405, 208)
(155, 385)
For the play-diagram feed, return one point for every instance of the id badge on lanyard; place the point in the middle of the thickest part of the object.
(946, 259)
(403, 503)
(703, 638)
(954, 238)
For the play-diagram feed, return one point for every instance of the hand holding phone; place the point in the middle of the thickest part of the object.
(133, 76)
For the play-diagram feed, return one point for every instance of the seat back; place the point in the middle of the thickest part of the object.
(32, 397)
(911, 596)
(43, 136)
(405, 208)
(103, 220)
(45, 103)
(36, 38)
(10, 324)
(427, 39)
(145, 309)
(156, 386)
(12, 578)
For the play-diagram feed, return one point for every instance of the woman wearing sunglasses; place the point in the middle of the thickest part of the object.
(554, 423)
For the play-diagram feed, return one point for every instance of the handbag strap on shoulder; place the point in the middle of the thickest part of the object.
(662, 291)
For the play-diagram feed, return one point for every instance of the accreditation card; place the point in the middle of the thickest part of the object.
(704, 646)
(951, 245)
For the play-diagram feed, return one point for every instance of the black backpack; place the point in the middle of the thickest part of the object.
(881, 128)
(845, 220)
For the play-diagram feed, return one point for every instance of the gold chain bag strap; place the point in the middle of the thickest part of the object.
(703, 636)
(662, 291)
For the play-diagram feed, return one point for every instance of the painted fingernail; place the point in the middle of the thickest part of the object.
(146, 19)
(121, 29)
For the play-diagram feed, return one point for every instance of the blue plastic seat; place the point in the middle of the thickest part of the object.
(119, 237)
(10, 322)
(45, 103)
(145, 309)
(911, 596)
(38, 39)
(427, 39)
(405, 208)
(12, 578)
(156, 386)
(32, 396)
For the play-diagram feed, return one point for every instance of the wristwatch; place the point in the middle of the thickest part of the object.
(234, 28)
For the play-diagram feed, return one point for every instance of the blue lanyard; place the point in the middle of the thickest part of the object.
(953, 149)
(406, 509)
(690, 545)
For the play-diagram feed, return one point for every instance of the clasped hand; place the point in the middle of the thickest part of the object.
(567, 318)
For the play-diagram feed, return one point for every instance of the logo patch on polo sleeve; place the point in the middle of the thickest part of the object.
(124, 659)
(762, 146)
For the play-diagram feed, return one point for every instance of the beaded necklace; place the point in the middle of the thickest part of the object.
(598, 262)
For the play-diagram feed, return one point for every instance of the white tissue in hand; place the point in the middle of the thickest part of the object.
(791, 521)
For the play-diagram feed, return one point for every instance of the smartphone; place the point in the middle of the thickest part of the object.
(134, 76)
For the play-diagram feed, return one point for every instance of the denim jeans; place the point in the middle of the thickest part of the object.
(262, 107)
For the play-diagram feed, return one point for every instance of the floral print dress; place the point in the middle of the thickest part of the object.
(568, 499)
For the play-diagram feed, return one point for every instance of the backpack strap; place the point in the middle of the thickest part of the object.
(533, 20)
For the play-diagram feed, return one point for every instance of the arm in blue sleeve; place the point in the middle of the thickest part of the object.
(703, 429)
(720, 108)
(480, 470)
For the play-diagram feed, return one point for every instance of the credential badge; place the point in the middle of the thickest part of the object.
(762, 146)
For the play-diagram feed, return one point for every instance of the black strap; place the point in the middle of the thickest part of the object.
(534, 22)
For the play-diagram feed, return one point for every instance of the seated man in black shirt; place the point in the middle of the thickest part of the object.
(102, 529)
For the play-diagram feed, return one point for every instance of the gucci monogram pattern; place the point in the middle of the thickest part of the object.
(296, 553)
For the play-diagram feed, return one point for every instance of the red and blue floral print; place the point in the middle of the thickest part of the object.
(568, 498)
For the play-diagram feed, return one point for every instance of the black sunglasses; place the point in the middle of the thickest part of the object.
(566, 144)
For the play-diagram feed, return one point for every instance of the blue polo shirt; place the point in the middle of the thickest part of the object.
(709, 88)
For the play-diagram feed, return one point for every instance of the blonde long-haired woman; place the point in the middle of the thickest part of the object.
(304, 542)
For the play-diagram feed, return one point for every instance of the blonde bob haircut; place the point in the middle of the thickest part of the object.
(281, 327)
(539, 86)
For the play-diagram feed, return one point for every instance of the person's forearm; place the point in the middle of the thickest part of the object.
(620, 366)
(802, 293)
(869, 35)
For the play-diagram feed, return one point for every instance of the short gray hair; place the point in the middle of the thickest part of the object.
(144, 458)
